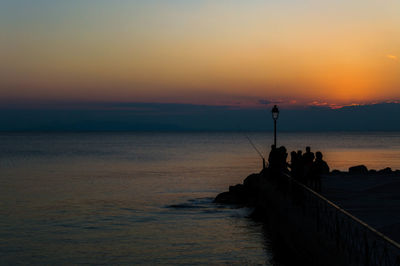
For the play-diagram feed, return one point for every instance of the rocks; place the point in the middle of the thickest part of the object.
(385, 171)
(227, 198)
(252, 182)
(336, 172)
(359, 169)
(241, 194)
(363, 170)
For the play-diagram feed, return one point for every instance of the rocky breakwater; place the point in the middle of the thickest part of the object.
(245, 194)
(259, 191)
(363, 170)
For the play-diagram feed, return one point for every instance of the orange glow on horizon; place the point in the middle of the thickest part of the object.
(208, 52)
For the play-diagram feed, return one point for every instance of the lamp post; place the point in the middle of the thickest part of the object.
(275, 115)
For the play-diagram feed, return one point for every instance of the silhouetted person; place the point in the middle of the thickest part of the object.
(299, 154)
(282, 158)
(300, 169)
(293, 160)
(308, 155)
(277, 162)
(319, 167)
(273, 158)
(308, 159)
(295, 164)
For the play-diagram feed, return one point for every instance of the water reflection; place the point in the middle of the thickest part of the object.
(118, 198)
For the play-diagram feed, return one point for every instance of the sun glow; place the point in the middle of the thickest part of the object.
(201, 51)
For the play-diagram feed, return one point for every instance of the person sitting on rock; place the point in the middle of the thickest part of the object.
(319, 167)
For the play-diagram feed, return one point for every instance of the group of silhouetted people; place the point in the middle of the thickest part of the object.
(277, 158)
(306, 168)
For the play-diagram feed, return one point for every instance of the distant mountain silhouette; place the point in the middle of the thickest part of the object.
(186, 117)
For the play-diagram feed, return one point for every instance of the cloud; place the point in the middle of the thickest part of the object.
(392, 57)
(318, 103)
(325, 104)
(268, 102)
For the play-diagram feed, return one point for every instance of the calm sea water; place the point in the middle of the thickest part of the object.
(140, 198)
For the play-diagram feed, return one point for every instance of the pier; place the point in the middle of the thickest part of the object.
(312, 226)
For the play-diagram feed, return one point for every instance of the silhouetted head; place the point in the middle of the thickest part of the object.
(273, 147)
(318, 155)
(308, 149)
(300, 152)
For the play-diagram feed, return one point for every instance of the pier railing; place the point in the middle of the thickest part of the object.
(362, 244)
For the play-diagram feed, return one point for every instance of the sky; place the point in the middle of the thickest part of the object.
(226, 52)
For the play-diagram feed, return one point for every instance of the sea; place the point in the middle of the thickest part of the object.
(146, 198)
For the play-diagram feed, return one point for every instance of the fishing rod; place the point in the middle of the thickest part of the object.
(255, 148)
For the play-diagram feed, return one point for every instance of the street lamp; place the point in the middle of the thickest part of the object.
(275, 115)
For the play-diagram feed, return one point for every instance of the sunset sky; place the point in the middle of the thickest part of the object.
(225, 52)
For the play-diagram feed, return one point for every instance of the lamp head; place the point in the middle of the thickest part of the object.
(275, 113)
